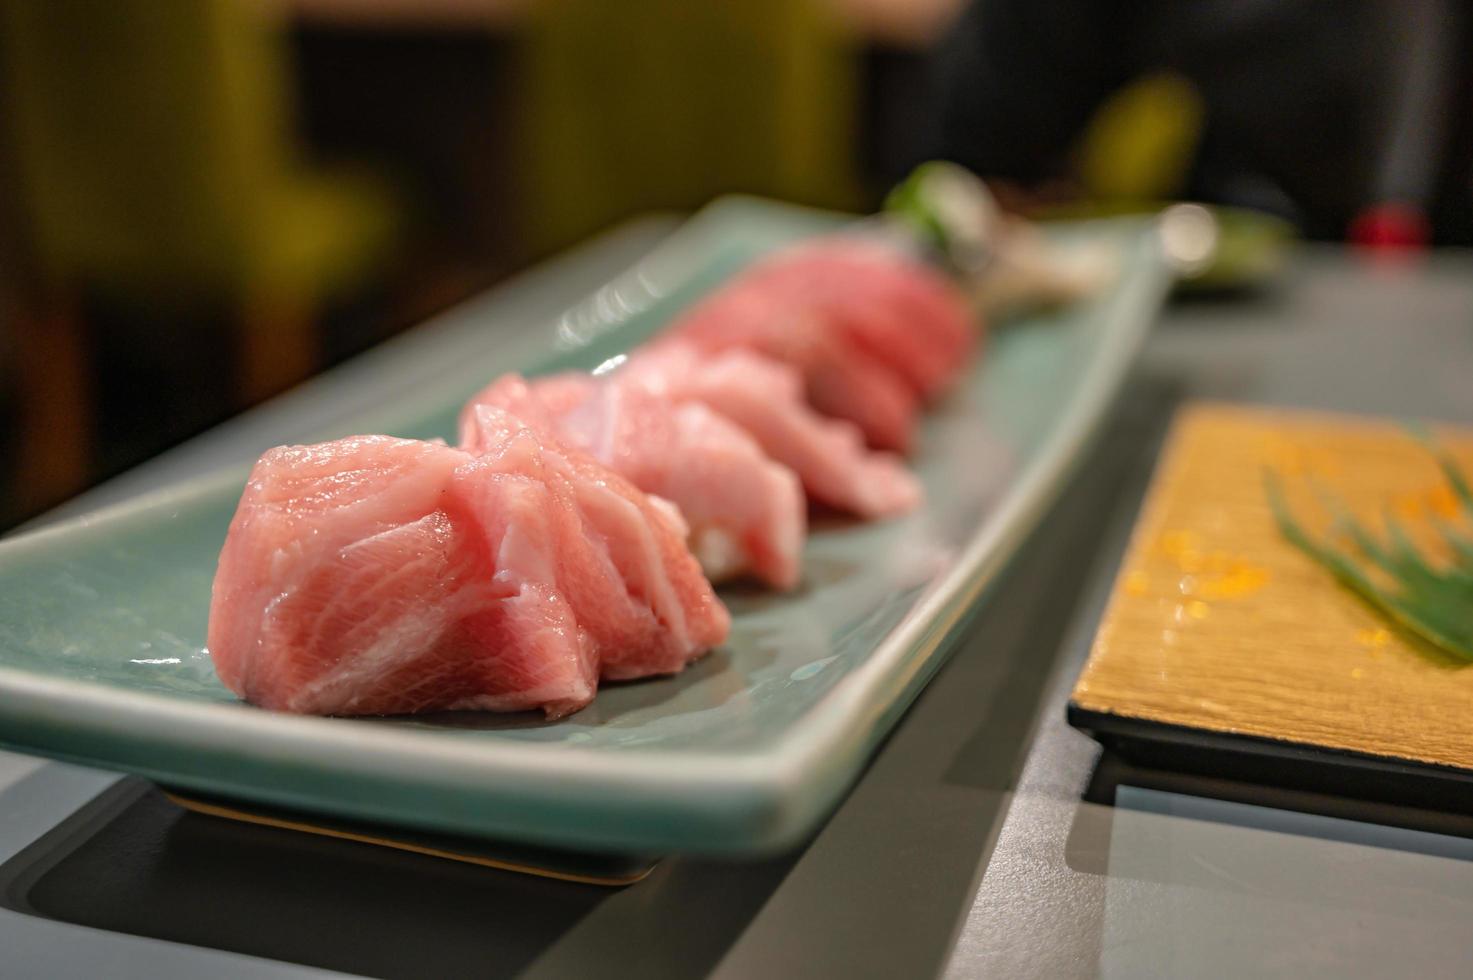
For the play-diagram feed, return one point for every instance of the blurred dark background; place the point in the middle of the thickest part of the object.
(203, 202)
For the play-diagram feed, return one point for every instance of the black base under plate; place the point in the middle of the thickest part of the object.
(133, 862)
(575, 866)
(1251, 759)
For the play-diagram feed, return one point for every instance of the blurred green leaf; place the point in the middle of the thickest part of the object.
(1435, 603)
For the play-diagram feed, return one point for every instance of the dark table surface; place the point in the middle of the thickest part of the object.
(966, 849)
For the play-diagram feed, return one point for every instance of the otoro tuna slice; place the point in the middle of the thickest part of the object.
(764, 398)
(872, 332)
(375, 575)
(746, 514)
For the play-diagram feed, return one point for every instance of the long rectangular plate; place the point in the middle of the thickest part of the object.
(102, 619)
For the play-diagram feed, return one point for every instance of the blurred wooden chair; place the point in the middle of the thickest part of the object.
(154, 153)
(644, 104)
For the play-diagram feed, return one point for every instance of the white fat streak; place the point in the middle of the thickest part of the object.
(399, 639)
(606, 448)
(659, 592)
(528, 569)
(346, 557)
(671, 513)
(718, 552)
(520, 559)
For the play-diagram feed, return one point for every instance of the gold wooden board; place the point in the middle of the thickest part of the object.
(1219, 625)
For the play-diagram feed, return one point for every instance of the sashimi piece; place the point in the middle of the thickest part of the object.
(864, 391)
(899, 310)
(744, 512)
(666, 613)
(765, 398)
(350, 584)
(872, 331)
(383, 576)
(747, 512)
(841, 379)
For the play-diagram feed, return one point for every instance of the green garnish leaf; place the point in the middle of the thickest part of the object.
(949, 211)
(1431, 601)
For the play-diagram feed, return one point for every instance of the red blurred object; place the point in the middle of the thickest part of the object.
(1391, 228)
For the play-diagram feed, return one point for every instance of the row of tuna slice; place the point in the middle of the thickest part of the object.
(573, 533)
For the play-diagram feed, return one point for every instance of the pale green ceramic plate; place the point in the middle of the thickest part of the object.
(102, 619)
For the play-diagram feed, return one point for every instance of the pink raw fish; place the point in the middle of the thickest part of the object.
(384, 576)
(872, 331)
(674, 615)
(840, 379)
(745, 513)
(765, 398)
(900, 311)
